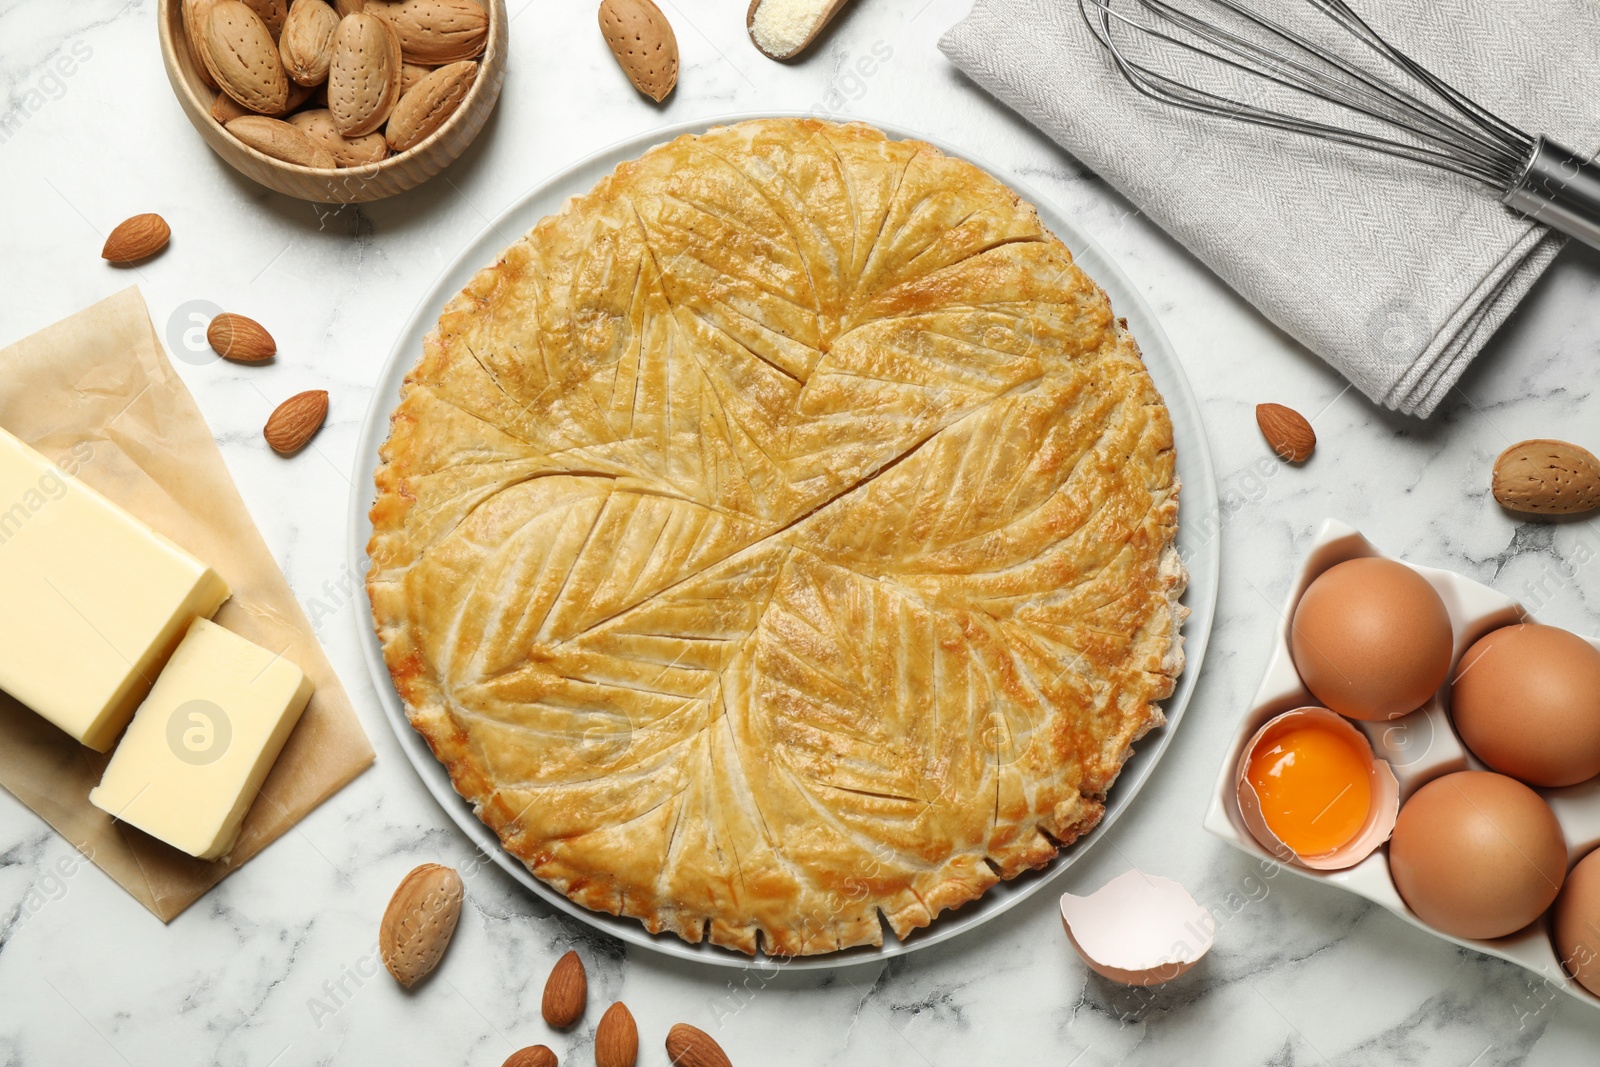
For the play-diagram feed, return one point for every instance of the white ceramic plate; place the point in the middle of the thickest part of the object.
(1196, 543)
(1420, 747)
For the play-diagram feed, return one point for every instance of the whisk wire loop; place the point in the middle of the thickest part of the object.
(1458, 136)
(1493, 124)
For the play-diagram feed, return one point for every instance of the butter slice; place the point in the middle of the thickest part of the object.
(201, 744)
(92, 601)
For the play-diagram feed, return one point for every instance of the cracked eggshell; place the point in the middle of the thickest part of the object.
(1138, 929)
(1385, 794)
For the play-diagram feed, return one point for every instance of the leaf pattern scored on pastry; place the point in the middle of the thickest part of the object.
(778, 541)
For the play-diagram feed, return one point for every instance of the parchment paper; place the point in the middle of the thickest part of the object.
(96, 394)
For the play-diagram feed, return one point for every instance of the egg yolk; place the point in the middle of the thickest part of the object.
(1314, 787)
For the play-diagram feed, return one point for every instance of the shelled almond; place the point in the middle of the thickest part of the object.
(1288, 433)
(137, 238)
(241, 339)
(335, 83)
(616, 1039)
(690, 1046)
(566, 992)
(290, 426)
(532, 1056)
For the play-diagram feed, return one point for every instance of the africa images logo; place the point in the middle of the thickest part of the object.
(199, 732)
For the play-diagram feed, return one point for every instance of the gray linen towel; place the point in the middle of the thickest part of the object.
(1395, 273)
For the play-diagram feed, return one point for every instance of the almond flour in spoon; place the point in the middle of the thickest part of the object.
(780, 27)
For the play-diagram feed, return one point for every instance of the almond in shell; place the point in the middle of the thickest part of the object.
(194, 36)
(137, 238)
(244, 58)
(348, 7)
(280, 140)
(690, 1046)
(429, 104)
(419, 922)
(364, 78)
(241, 339)
(273, 12)
(435, 32)
(293, 423)
(318, 125)
(1544, 477)
(306, 44)
(641, 38)
(411, 74)
(566, 992)
(225, 109)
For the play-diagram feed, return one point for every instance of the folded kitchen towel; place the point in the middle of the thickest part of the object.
(1391, 271)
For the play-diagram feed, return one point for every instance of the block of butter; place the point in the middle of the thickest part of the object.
(92, 601)
(202, 742)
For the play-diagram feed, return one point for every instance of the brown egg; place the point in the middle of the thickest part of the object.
(1577, 923)
(1477, 855)
(1526, 700)
(1371, 639)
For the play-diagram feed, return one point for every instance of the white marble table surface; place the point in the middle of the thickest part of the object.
(275, 965)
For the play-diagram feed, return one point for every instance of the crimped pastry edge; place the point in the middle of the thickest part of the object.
(471, 783)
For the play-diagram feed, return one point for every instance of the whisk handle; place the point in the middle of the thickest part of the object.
(1560, 189)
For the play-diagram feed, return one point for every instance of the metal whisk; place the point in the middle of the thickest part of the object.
(1400, 108)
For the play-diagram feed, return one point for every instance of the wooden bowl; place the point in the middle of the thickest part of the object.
(345, 185)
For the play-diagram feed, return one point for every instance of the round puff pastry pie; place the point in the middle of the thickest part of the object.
(778, 542)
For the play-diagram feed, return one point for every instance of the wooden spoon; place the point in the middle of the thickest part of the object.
(823, 19)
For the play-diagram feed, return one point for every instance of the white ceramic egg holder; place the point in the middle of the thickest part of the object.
(1420, 747)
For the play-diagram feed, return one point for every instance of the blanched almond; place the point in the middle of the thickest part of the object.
(244, 58)
(364, 79)
(318, 125)
(280, 140)
(429, 105)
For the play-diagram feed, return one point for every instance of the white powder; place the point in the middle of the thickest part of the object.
(782, 26)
